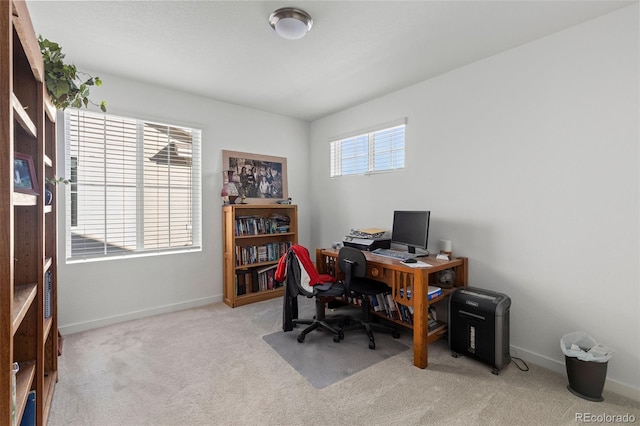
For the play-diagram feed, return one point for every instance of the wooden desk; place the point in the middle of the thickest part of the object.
(404, 281)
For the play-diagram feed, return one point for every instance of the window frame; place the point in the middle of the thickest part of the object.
(194, 180)
(337, 150)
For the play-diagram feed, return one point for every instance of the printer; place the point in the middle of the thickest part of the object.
(367, 239)
(367, 244)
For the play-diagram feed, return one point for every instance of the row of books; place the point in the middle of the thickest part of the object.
(254, 280)
(257, 225)
(270, 252)
(384, 303)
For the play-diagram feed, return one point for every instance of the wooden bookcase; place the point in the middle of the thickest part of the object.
(254, 238)
(28, 314)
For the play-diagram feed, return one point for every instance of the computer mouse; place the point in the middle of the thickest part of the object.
(410, 261)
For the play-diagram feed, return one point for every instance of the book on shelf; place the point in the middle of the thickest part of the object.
(266, 277)
(382, 301)
(433, 292)
(433, 324)
(433, 319)
(374, 303)
(262, 254)
(405, 314)
(393, 309)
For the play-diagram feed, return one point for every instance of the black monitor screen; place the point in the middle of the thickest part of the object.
(411, 228)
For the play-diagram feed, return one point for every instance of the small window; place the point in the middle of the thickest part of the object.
(377, 151)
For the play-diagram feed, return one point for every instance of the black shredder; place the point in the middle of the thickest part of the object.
(479, 325)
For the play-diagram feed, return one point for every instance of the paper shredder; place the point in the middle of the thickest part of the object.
(479, 325)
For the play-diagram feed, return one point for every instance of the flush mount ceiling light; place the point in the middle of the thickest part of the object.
(290, 23)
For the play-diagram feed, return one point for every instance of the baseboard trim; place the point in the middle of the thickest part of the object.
(610, 385)
(102, 322)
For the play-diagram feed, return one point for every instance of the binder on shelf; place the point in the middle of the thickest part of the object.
(29, 413)
(255, 285)
(241, 285)
(248, 281)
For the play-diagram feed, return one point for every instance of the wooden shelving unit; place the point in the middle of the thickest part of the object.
(253, 242)
(28, 236)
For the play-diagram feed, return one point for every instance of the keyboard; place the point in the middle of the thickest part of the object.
(394, 254)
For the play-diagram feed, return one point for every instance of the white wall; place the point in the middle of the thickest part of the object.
(93, 294)
(529, 163)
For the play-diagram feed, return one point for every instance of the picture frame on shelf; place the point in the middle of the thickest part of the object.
(260, 179)
(24, 174)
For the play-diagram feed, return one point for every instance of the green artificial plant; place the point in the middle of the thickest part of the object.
(57, 180)
(65, 87)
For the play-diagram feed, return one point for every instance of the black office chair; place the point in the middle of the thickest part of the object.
(296, 271)
(353, 264)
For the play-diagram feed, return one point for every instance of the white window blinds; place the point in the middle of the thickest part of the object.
(135, 186)
(376, 151)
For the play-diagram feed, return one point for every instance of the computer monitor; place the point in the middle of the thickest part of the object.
(411, 228)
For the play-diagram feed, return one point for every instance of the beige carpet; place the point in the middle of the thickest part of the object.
(211, 366)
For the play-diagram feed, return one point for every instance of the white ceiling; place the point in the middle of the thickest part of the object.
(356, 50)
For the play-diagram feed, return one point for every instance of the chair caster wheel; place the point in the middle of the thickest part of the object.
(336, 339)
(395, 334)
(300, 338)
(372, 345)
(341, 335)
(455, 355)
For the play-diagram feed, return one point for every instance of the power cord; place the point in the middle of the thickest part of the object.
(523, 367)
(515, 360)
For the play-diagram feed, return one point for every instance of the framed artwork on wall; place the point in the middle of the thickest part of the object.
(260, 179)
(24, 174)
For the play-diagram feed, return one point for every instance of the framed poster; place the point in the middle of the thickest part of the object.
(260, 179)
(24, 174)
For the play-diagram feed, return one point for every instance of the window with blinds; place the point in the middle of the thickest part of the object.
(135, 186)
(376, 151)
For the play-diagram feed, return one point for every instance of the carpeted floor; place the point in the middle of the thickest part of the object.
(212, 366)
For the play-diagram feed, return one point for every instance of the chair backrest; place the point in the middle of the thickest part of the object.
(352, 262)
(297, 276)
(298, 271)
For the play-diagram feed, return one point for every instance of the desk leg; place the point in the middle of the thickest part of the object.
(420, 320)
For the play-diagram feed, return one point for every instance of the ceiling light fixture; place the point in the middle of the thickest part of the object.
(291, 23)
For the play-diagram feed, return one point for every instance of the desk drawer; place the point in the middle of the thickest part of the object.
(380, 273)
